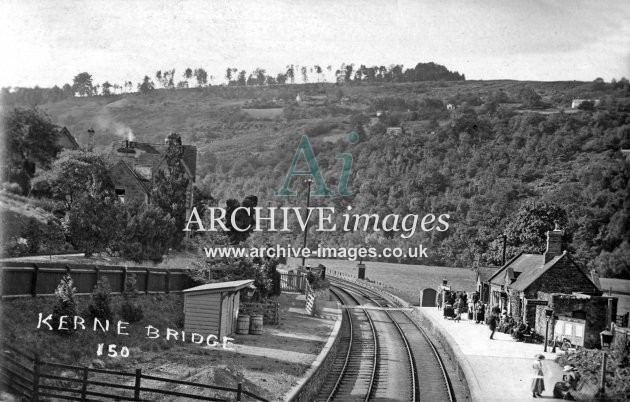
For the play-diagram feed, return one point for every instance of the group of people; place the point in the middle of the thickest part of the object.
(458, 303)
(562, 389)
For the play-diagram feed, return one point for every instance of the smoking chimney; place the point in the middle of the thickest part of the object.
(554, 243)
(90, 145)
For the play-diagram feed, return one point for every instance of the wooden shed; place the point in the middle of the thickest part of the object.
(212, 309)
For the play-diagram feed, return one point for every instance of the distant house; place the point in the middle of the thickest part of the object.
(395, 131)
(577, 102)
(135, 165)
(66, 141)
(450, 106)
(300, 97)
(379, 113)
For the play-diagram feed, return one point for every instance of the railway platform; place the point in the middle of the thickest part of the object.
(499, 369)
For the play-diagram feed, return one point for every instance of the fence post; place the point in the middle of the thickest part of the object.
(96, 274)
(146, 281)
(34, 280)
(123, 282)
(168, 281)
(84, 383)
(602, 384)
(68, 269)
(136, 391)
(36, 364)
(239, 390)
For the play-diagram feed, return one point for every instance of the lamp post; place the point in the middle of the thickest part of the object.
(606, 338)
(308, 200)
(549, 315)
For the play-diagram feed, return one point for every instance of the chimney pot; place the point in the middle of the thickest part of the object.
(554, 244)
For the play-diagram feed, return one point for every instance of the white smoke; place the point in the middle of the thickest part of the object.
(104, 123)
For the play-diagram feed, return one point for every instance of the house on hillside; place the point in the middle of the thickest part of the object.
(450, 106)
(135, 165)
(577, 102)
(395, 131)
(526, 276)
(65, 140)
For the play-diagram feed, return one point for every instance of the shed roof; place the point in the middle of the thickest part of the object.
(484, 273)
(227, 286)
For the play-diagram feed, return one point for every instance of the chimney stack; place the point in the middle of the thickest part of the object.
(90, 146)
(554, 243)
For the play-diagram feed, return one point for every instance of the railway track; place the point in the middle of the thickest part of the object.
(353, 373)
(404, 362)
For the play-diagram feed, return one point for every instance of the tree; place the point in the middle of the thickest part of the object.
(260, 75)
(82, 84)
(65, 303)
(94, 223)
(100, 301)
(72, 174)
(107, 88)
(32, 139)
(202, 76)
(146, 86)
(290, 73)
(188, 73)
(281, 79)
(318, 71)
(228, 74)
(527, 229)
(348, 72)
(148, 233)
(170, 188)
(304, 74)
(241, 80)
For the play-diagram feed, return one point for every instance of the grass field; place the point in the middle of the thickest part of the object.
(405, 281)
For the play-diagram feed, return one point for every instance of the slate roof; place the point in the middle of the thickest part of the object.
(530, 275)
(519, 264)
(484, 273)
(524, 269)
(64, 132)
(151, 155)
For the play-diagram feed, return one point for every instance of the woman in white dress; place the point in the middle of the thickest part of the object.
(538, 377)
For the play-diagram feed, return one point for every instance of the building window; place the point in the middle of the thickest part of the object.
(120, 193)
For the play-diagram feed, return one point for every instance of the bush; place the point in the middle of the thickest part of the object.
(130, 310)
(14, 188)
(100, 301)
(65, 301)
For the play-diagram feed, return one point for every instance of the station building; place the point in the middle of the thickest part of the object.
(532, 286)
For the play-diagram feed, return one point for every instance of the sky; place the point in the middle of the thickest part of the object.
(47, 43)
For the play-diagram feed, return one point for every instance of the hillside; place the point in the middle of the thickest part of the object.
(504, 143)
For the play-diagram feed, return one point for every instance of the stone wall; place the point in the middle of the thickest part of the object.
(595, 307)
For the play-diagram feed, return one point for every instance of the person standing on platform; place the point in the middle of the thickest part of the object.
(492, 324)
(538, 377)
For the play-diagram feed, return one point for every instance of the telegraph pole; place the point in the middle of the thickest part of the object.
(308, 200)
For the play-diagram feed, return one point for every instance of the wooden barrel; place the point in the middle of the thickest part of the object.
(256, 324)
(242, 324)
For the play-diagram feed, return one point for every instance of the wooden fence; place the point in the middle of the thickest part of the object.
(293, 282)
(33, 379)
(21, 279)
